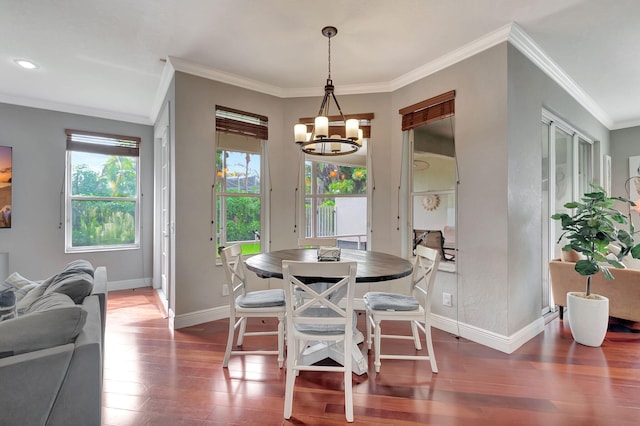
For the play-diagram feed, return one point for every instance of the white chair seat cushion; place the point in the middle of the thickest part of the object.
(261, 299)
(381, 301)
(322, 329)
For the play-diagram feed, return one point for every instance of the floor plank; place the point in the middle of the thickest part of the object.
(154, 376)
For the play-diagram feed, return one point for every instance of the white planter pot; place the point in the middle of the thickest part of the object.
(588, 318)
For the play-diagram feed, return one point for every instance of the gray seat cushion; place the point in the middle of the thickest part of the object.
(323, 329)
(261, 299)
(381, 301)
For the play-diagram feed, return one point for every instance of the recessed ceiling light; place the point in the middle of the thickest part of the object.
(26, 64)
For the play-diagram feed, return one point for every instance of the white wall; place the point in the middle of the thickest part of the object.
(35, 242)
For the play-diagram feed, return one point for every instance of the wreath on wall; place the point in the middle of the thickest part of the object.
(431, 202)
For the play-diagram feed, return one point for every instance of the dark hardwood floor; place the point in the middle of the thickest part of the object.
(157, 377)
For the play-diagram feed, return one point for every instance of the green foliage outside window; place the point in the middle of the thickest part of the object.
(98, 217)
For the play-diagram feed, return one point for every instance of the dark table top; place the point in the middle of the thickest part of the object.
(372, 266)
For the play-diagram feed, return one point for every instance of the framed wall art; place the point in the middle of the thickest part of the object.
(5, 186)
(634, 170)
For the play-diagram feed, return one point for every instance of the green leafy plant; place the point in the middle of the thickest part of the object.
(590, 230)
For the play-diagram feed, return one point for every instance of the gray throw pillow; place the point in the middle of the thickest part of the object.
(21, 285)
(32, 295)
(75, 267)
(7, 304)
(51, 320)
(77, 286)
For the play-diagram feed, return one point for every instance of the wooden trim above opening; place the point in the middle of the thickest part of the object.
(427, 111)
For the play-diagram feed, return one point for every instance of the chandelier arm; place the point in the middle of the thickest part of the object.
(330, 145)
(325, 103)
(337, 106)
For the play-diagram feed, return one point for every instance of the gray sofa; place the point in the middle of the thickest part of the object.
(60, 384)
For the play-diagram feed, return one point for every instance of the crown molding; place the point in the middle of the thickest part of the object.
(470, 49)
(165, 82)
(73, 109)
(625, 124)
(224, 77)
(525, 44)
(511, 33)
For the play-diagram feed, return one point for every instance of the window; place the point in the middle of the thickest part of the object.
(240, 183)
(102, 187)
(336, 202)
(567, 174)
(336, 194)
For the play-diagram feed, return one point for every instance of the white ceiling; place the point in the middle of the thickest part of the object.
(106, 58)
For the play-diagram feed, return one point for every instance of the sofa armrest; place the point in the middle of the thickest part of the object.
(100, 289)
(30, 383)
(79, 401)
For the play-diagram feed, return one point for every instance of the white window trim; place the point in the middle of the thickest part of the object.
(265, 209)
(69, 211)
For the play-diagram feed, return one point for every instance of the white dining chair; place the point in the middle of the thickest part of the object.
(245, 304)
(415, 308)
(318, 319)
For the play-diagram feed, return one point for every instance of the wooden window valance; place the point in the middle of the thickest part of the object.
(102, 143)
(336, 125)
(430, 110)
(229, 120)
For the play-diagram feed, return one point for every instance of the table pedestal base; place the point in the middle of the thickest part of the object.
(318, 351)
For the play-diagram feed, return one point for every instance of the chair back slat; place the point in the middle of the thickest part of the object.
(314, 307)
(425, 266)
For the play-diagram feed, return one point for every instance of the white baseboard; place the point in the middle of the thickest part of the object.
(502, 343)
(199, 317)
(129, 284)
(499, 342)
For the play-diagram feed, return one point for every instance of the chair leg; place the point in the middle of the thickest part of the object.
(243, 328)
(368, 318)
(292, 356)
(348, 388)
(280, 341)
(227, 352)
(432, 355)
(416, 336)
(376, 345)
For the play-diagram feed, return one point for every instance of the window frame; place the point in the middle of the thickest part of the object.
(114, 145)
(315, 197)
(550, 231)
(220, 216)
(240, 124)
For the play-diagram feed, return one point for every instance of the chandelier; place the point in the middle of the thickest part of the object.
(319, 141)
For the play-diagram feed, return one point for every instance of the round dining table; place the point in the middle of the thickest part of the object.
(372, 267)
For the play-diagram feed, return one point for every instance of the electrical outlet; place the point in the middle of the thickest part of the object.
(446, 299)
(225, 290)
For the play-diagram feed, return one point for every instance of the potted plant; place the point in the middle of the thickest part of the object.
(589, 231)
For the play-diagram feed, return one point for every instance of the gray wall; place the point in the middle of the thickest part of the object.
(36, 241)
(625, 143)
(197, 278)
(480, 293)
(499, 97)
(529, 90)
